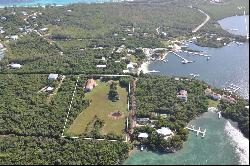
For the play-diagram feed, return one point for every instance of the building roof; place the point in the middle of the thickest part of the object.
(164, 131)
(130, 66)
(53, 76)
(101, 66)
(49, 88)
(143, 135)
(16, 65)
(183, 92)
(90, 84)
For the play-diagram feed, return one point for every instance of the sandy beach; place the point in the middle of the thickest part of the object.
(144, 67)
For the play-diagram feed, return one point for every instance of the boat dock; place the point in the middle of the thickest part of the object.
(232, 88)
(184, 61)
(198, 131)
(196, 53)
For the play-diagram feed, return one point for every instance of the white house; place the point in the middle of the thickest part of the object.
(15, 66)
(130, 66)
(14, 37)
(49, 89)
(165, 131)
(143, 135)
(53, 76)
(101, 66)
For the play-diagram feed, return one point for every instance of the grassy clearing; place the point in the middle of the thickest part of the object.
(102, 107)
(212, 103)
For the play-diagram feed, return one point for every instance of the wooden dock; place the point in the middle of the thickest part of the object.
(198, 131)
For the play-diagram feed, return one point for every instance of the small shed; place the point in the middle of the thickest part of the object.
(49, 89)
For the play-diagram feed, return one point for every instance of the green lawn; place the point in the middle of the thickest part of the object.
(213, 103)
(101, 106)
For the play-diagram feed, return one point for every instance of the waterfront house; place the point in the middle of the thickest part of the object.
(228, 98)
(90, 84)
(53, 76)
(215, 96)
(183, 95)
(164, 131)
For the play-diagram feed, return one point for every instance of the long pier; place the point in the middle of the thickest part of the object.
(198, 131)
(196, 53)
(184, 60)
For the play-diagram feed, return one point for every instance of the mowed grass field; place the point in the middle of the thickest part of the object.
(102, 107)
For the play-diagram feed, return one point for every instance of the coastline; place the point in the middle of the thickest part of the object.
(144, 67)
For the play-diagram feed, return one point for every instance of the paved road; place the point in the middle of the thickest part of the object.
(202, 24)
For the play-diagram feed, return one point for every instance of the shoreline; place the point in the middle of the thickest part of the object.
(37, 4)
(144, 67)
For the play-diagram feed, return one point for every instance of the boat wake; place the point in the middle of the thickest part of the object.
(240, 142)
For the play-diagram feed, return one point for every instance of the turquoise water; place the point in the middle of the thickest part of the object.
(45, 2)
(214, 148)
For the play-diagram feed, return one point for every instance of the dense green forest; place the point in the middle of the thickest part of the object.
(157, 95)
(49, 151)
(24, 111)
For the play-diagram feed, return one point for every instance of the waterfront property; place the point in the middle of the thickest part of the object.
(183, 95)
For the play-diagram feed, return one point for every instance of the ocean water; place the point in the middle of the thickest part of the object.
(224, 143)
(45, 2)
(236, 23)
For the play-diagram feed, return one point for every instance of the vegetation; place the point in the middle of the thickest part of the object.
(113, 94)
(24, 111)
(49, 151)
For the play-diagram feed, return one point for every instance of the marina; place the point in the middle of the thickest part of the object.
(232, 88)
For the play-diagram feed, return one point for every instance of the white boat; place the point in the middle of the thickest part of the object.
(219, 114)
(142, 148)
(233, 29)
(208, 58)
(154, 71)
(184, 62)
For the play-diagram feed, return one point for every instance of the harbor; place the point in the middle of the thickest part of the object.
(232, 88)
